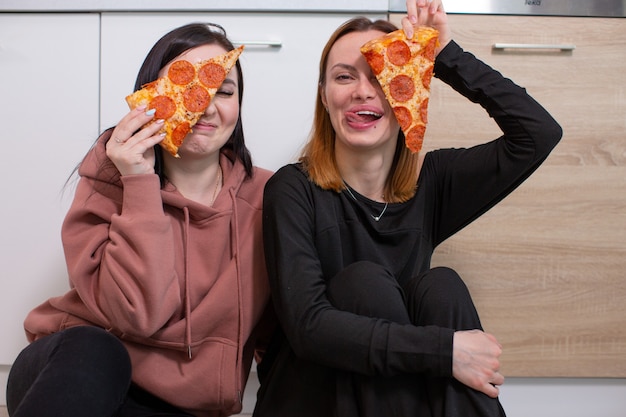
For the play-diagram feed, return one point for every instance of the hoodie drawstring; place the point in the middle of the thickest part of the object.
(187, 300)
(235, 252)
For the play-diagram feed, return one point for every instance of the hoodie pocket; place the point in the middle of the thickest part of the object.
(208, 381)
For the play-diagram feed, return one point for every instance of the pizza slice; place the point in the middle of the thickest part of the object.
(181, 97)
(404, 69)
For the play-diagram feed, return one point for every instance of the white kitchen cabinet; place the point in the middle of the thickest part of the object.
(49, 66)
(280, 82)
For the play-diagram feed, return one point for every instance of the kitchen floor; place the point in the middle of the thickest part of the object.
(248, 399)
(3, 413)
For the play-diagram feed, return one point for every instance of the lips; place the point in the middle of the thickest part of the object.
(362, 117)
(205, 125)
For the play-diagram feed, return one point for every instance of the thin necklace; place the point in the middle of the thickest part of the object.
(376, 218)
(217, 184)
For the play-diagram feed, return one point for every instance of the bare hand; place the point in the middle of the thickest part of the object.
(427, 13)
(475, 361)
(130, 149)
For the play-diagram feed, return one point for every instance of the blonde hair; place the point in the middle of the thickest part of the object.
(318, 155)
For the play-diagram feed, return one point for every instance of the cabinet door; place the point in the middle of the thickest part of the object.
(49, 92)
(546, 266)
(280, 82)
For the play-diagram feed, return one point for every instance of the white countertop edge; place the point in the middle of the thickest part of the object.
(335, 6)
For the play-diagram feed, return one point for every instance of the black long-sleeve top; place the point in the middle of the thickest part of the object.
(311, 234)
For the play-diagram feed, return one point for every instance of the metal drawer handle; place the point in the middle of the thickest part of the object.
(561, 47)
(269, 44)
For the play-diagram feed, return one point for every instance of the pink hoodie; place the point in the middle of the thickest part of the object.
(183, 285)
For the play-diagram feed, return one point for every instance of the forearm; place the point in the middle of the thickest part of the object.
(123, 265)
(472, 180)
(517, 113)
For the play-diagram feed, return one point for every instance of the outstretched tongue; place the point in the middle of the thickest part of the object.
(362, 116)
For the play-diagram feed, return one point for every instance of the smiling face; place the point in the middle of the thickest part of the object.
(360, 114)
(219, 119)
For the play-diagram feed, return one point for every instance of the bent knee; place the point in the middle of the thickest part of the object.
(95, 345)
(440, 285)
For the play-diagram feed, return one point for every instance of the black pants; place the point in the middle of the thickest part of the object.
(438, 297)
(81, 371)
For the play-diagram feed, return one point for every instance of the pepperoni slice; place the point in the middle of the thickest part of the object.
(179, 133)
(427, 76)
(403, 115)
(165, 107)
(402, 88)
(429, 49)
(398, 53)
(196, 98)
(415, 138)
(211, 75)
(424, 111)
(375, 60)
(181, 72)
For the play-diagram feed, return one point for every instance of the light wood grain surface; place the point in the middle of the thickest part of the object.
(547, 266)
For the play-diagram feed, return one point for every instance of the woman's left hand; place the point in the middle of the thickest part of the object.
(427, 13)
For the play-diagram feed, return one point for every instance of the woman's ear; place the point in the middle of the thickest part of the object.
(323, 96)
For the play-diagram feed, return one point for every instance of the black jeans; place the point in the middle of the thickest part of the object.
(437, 297)
(81, 371)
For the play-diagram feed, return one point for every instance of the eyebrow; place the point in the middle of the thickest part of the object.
(229, 81)
(344, 66)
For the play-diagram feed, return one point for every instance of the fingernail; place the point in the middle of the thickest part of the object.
(413, 19)
(160, 121)
(151, 112)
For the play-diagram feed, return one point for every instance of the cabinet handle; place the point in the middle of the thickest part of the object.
(268, 44)
(561, 47)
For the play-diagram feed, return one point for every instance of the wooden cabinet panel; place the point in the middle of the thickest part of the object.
(547, 266)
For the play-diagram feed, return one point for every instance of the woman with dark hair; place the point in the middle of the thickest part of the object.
(367, 327)
(169, 291)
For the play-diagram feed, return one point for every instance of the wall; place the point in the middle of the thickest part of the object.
(536, 397)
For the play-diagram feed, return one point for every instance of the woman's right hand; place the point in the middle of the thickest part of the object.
(427, 13)
(475, 361)
(130, 149)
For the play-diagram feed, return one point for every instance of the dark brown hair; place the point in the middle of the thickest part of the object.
(164, 51)
(172, 45)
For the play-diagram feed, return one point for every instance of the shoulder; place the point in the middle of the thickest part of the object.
(260, 175)
(289, 176)
(290, 171)
(290, 194)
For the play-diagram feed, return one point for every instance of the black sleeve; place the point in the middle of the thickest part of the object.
(471, 181)
(316, 330)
